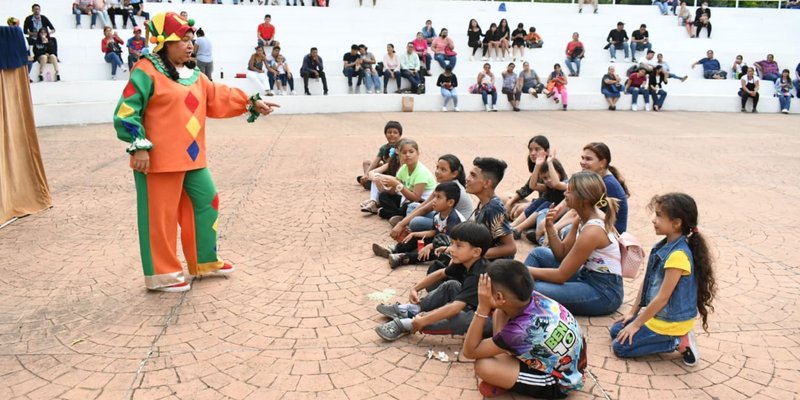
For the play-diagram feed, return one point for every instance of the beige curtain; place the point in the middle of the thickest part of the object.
(23, 184)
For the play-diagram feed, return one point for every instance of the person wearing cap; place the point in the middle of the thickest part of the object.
(136, 45)
(640, 41)
(162, 114)
(618, 40)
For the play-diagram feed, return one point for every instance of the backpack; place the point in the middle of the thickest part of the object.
(631, 255)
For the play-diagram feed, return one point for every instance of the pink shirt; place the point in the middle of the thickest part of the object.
(420, 45)
(440, 44)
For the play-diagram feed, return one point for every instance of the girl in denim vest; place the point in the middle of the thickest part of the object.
(679, 283)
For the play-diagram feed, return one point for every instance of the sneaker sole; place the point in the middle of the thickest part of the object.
(694, 349)
(185, 288)
(380, 251)
(386, 338)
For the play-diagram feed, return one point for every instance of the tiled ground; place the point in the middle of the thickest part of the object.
(296, 319)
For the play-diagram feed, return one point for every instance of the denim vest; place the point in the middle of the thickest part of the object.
(682, 305)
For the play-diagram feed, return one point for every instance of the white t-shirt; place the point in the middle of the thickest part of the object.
(204, 54)
(608, 259)
(746, 79)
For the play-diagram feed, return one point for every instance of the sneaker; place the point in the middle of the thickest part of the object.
(113, 77)
(369, 91)
(493, 109)
(269, 93)
(688, 349)
(308, 93)
(41, 78)
(743, 110)
(444, 109)
(391, 330)
(580, 10)
(785, 111)
(382, 251)
(395, 220)
(396, 260)
(633, 60)
(456, 109)
(58, 77)
(755, 111)
(685, 77)
(176, 288)
(516, 233)
(634, 108)
(293, 93)
(530, 234)
(390, 310)
(627, 60)
(484, 58)
(488, 108)
(490, 391)
(595, 11)
(647, 106)
(613, 60)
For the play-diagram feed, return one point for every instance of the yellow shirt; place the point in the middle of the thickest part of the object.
(679, 260)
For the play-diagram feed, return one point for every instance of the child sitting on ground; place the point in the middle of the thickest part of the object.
(448, 309)
(679, 283)
(413, 183)
(444, 199)
(483, 178)
(537, 349)
(385, 163)
(552, 174)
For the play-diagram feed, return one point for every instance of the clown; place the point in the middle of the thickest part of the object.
(162, 114)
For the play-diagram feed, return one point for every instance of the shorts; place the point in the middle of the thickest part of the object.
(535, 383)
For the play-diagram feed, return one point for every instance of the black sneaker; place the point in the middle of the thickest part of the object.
(391, 330)
(397, 260)
(382, 251)
(690, 352)
(390, 310)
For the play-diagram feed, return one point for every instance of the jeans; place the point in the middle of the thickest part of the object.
(441, 58)
(485, 97)
(640, 47)
(387, 75)
(658, 97)
(577, 61)
(771, 77)
(785, 100)
(113, 12)
(77, 11)
(663, 7)
(673, 76)
(132, 59)
(413, 78)
(426, 59)
(284, 80)
(207, 68)
(613, 50)
(796, 84)
(442, 296)
(450, 94)
(115, 61)
(372, 80)
(635, 92)
(350, 73)
(644, 342)
(610, 94)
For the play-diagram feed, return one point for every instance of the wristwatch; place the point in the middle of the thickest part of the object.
(398, 188)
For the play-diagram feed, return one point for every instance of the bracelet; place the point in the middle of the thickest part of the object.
(254, 114)
(139, 144)
(477, 314)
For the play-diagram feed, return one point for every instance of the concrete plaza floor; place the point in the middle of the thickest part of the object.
(296, 319)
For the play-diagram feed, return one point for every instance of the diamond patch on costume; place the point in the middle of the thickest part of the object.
(214, 227)
(193, 126)
(193, 150)
(215, 202)
(132, 129)
(129, 90)
(191, 102)
(124, 111)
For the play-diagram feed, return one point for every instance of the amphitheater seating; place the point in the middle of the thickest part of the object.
(87, 95)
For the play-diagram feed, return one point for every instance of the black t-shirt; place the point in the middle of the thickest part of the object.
(469, 281)
(474, 37)
(638, 35)
(350, 58)
(519, 41)
(447, 79)
(492, 36)
(617, 36)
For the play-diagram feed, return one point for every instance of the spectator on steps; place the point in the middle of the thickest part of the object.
(272, 73)
(256, 70)
(283, 76)
(266, 33)
(511, 87)
(80, 7)
(409, 69)
(618, 40)
(485, 86)
(611, 87)
(448, 83)
(313, 68)
(504, 36)
(702, 19)
(101, 7)
(637, 85)
(138, 10)
(474, 34)
(205, 55)
(557, 86)
(768, 69)
(36, 21)
(518, 42)
(351, 68)
(649, 63)
(444, 50)
(739, 68)
(491, 41)
(656, 79)
(116, 7)
(428, 33)
(368, 61)
(391, 68)
(45, 50)
(685, 18)
(530, 81)
(711, 67)
(574, 54)
(640, 41)
(660, 61)
(749, 89)
(796, 81)
(783, 90)
(421, 47)
(582, 2)
(533, 40)
(136, 45)
(663, 6)
(110, 46)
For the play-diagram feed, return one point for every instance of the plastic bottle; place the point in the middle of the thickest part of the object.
(222, 73)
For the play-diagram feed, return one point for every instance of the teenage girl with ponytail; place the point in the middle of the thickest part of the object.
(678, 284)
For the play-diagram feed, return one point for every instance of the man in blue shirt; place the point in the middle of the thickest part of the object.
(711, 67)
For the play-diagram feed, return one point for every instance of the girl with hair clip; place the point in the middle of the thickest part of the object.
(538, 147)
(679, 283)
(420, 216)
(583, 272)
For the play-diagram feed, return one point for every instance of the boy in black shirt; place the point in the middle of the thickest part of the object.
(352, 68)
(618, 39)
(640, 41)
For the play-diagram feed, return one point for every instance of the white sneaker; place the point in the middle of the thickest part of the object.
(484, 58)
(627, 60)
(647, 106)
(502, 58)
(613, 60)
(488, 108)
(634, 108)
(785, 111)
(293, 93)
(444, 109)
(472, 58)
(280, 93)
(113, 77)
(456, 109)
(494, 108)
(369, 91)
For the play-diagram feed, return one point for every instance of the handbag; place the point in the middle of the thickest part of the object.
(631, 254)
(379, 68)
(449, 52)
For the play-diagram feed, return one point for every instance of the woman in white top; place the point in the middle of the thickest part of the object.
(391, 68)
(583, 272)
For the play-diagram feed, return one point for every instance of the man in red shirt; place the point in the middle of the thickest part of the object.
(266, 33)
(635, 86)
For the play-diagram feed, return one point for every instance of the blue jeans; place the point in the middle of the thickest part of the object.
(413, 78)
(640, 47)
(441, 58)
(635, 92)
(609, 94)
(350, 73)
(785, 100)
(271, 78)
(372, 80)
(663, 7)
(485, 97)
(115, 61)
(645, 342)
(659, 97)
(577, 61)
(613, 50)
(673, 76)
(78, 13)
(387, 75)
(586, 293)
(421, 222)
(449, 94)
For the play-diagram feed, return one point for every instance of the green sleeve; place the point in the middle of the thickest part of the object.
(130, 109)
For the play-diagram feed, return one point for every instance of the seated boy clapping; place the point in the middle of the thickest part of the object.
(448, 309)
(537, 349)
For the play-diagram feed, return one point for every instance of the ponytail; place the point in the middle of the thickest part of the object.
(611, 213)
(455, 165)
(704, 274)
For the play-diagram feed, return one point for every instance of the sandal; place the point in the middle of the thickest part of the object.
(390, 310)
(370, 207)
(391, 330)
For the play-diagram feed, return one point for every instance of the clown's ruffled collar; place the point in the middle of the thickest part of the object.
(159, 64)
